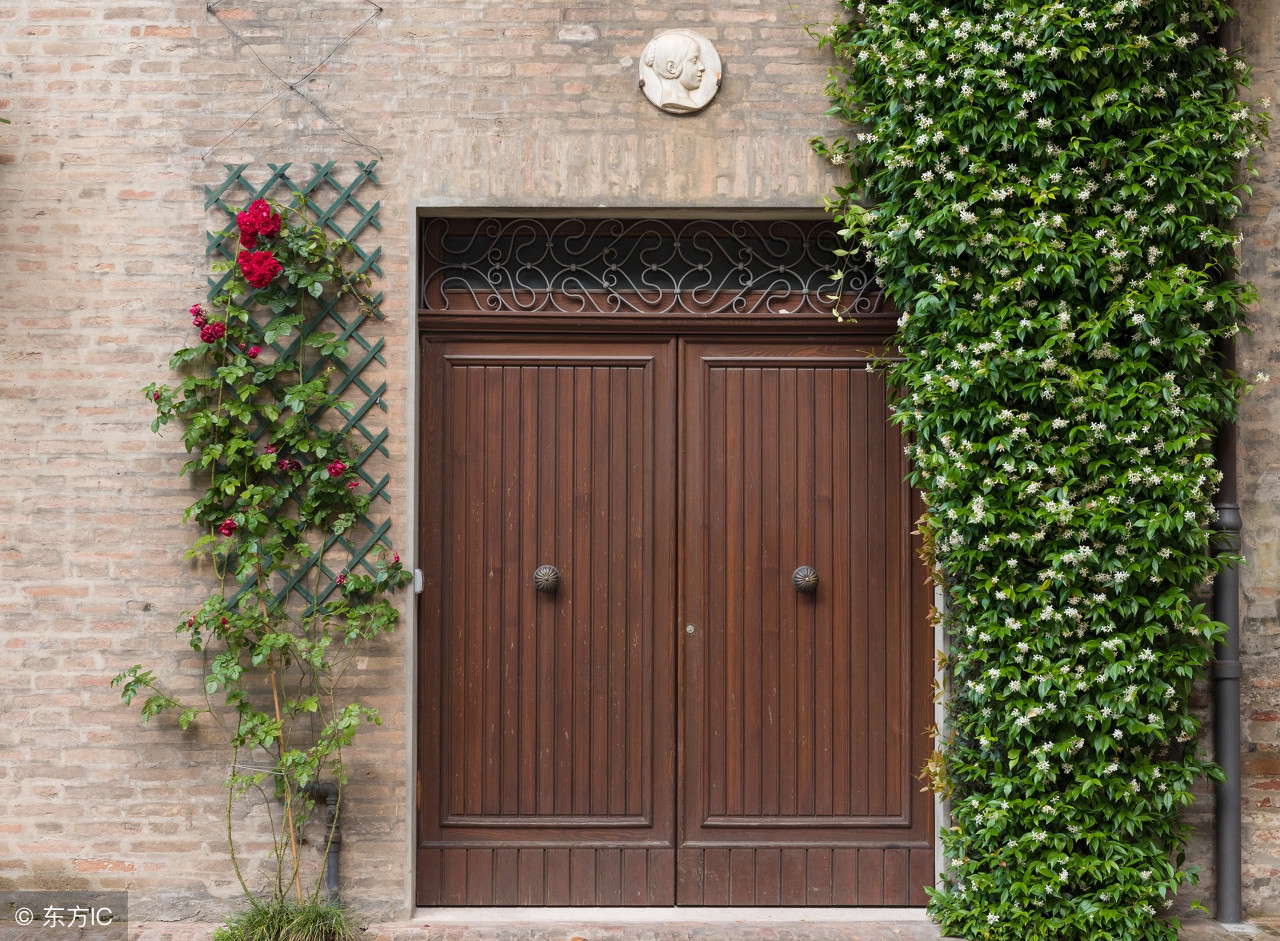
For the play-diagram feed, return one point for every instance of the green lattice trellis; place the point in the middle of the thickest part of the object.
(326, 198)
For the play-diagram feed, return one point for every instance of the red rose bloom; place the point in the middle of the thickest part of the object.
(257, 221)
(337, 469)
(258, 268)
(228, 527)
(253, 351)
(199, 316)
(212, 331)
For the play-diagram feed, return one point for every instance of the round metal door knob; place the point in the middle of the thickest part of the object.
(546, 578)
(805, 579)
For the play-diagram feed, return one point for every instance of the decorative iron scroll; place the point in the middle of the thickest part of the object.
(329, 200)
(642, 266)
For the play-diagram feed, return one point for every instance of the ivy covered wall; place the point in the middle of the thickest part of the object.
(1053, 194)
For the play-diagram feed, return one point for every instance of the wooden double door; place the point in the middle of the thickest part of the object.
(673, 721)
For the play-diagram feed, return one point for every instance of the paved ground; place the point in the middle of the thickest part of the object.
(418, 930)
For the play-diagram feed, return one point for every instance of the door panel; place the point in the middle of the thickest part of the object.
(803, 715)
(548, 718)
(563, 760)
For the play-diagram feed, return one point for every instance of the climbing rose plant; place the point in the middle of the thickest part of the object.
(280, 486)
(1052, 188)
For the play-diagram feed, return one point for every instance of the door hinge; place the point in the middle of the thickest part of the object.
(417, 581)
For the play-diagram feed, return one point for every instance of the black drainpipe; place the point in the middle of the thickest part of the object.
(1226, 677)
(328, 792)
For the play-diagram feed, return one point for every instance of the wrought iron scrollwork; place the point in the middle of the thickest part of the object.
(641, 266)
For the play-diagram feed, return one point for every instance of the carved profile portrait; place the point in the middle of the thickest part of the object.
(680, 71)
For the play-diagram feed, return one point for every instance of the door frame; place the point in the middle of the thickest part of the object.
(876, 327)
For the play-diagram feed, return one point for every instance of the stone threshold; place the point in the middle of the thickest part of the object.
(702, 915)
(663, 924)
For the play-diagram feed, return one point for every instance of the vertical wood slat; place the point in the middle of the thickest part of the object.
(795, 889)
(639, 598)
(531, 880)
(805, 608)
(579, 501)
(608, 867)
(430, 866)
(860, 634)
(896, 890)
(742, 876)
(512, 523)
(789, 641)
(582, 876)
(871, 877)
(454, 877)
(715, 876)
(818, 876)
(491, 619)
(844, 876)
(754, 436)
(556, 862)
(635, 877)
(532, 663)
(826, 531)
(617, 608)
(506, 876)
(772, 584)
(877, 691)
(480, 876)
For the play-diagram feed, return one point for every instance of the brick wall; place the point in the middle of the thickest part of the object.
(1259, 467)
(122, 111)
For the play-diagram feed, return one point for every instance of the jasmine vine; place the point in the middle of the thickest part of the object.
(1051, 188)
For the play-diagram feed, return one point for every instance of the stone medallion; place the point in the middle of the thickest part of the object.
(680, 71)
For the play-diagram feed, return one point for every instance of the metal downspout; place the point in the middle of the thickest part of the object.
(328, 792)
(1226, 678)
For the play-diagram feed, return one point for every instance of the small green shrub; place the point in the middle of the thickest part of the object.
(282, 919)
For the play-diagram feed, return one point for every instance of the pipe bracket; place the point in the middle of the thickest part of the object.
(1227, 670)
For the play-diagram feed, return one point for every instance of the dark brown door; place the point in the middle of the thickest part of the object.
(803, 713)
(565, 759)
(548, 742)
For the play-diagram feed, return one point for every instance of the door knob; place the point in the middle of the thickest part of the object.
(546, 578)
(805, 579)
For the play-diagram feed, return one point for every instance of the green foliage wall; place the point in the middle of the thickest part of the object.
(1052, 188)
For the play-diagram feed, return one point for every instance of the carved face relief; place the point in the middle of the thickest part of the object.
(680, 71)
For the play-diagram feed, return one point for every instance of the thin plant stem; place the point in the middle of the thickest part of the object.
(272, 666)
(231, 843)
